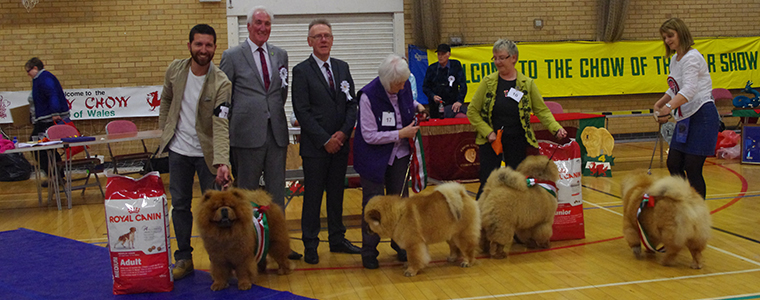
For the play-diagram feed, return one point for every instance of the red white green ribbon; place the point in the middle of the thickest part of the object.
(418, 167)
(646, 201)
(261, 225)
(549, 186)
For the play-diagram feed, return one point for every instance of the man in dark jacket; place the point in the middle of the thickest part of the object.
(47, 104)
(445, 83)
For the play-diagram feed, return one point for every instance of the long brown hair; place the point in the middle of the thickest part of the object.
(685, 41)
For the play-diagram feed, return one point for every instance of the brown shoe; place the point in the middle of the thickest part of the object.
(182, 268)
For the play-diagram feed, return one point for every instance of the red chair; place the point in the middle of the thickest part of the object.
(126, 127)
(554, 107)
(90, 164)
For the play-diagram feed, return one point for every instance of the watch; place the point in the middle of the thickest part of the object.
(668, 105)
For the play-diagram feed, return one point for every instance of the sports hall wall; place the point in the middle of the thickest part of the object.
(98, 43)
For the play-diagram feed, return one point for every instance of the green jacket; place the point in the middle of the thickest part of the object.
(480, 108)
(213, 131)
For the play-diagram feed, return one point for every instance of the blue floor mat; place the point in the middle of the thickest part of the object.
(35, 265)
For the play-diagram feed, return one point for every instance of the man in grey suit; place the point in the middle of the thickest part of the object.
(258, 127)
(324, 104)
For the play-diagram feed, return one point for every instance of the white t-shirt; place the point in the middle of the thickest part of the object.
(185, 139)
(690, 78)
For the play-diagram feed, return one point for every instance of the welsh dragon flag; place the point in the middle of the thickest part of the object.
(417, 164)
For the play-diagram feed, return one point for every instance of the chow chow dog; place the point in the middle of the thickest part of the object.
(676, 216)
(448, 214)
(225, 220)
(510, 205)
(127, 240)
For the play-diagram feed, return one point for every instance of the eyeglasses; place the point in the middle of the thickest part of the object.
(322, 36)
(500, 58)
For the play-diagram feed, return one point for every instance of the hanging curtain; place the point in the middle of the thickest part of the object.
(611, 20)
(426, 23)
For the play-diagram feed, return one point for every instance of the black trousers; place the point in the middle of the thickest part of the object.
(515, 150)
(323, 174)
(393, 185)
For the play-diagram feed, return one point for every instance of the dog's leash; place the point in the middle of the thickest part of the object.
(657, 141)
(408, 170)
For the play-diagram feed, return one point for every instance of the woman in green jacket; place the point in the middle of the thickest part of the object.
(504, 101)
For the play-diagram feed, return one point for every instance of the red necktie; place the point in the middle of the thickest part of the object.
(329, 76)
(264, 69)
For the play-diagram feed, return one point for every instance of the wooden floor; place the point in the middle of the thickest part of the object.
(598, 267)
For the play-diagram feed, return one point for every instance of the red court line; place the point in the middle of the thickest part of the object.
(741, 194)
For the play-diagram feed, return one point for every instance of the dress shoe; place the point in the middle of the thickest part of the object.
(311, 257)
(294, 255)
(401, 255)
(370, 262)
(345, 247)
(182, 268)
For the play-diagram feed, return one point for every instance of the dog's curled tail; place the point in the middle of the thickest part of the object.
(511, 178)
(455, 195)
(674, 187)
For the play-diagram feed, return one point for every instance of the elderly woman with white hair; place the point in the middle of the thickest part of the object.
(501, 108)
(386, 123)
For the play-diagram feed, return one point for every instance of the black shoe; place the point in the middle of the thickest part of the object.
(370, 262)
(401, 255)
(311, 257)
(294, 255)
(345, 247)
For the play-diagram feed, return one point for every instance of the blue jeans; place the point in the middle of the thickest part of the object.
(182, 170)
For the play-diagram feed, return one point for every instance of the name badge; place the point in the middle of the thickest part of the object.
(224, 112)
(389, 118)
(515, 94)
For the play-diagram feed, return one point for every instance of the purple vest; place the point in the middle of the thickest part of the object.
(370, 161)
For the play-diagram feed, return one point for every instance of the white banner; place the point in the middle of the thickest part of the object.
(105, 103)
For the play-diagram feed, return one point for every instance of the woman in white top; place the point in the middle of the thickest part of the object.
(690, 102)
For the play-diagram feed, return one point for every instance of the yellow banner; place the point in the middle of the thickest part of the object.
(566, 69)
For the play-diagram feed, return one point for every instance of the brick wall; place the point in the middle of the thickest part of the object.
(484, 21)
(99, 43)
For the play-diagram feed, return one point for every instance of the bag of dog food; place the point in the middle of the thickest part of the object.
(137, 218)
(568, 220)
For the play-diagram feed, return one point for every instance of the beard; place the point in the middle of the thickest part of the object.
(202, 61)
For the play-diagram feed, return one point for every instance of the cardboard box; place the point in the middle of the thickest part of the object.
(20, 116)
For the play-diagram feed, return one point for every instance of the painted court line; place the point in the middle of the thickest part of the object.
(611, 284)
(737, 297)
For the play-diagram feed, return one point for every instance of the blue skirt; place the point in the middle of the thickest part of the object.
(703, 132)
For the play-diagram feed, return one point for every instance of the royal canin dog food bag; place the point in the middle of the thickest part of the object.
(137, 216)
(568, 220)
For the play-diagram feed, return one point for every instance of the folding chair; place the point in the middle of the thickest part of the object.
(90, 164)
(126, 127)
(554, 107)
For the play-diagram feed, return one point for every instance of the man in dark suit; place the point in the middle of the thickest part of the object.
(258, 126)
(324, 104)
(445, 84)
